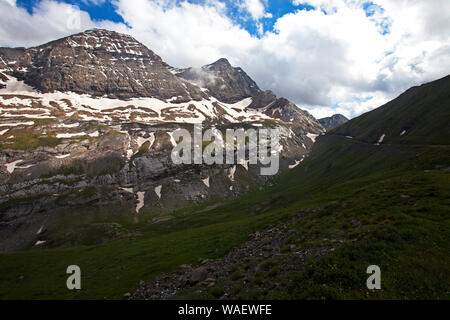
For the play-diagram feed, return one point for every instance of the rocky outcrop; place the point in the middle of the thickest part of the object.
(301, 121)
(333, 121)
(263, 100)
(224, 82)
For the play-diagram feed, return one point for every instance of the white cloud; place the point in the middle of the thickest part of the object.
(186, 34)
(324, 62)
(326, 59)
(50, 20)
(256, 9)
(10, 2)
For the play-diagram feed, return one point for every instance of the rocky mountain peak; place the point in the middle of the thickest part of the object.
(264, 99)
(333, 121)
(302, 121)
(283, 109)
(100, 40)
(226, 83)
(97, 62)
(222, 63)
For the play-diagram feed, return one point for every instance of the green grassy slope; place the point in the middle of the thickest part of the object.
(422, 112)
(406, 237)
(389, 204)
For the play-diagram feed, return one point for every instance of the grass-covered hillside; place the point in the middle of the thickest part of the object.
(311, 235)
(418, 116)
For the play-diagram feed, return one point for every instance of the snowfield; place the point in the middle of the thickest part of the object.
(20, 100)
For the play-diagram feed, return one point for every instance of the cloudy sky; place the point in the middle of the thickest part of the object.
(335, 56)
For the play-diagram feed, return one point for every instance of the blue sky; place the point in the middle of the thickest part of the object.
(277, 9)
(327, 56)
(107, 11)
(104, 11)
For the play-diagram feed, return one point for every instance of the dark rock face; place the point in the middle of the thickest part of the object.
(301, 121)
(228, 84)
(333, 121)
(3, 80)
(262, 100)
(97, 62)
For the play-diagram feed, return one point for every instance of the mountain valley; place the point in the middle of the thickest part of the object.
(86, 133)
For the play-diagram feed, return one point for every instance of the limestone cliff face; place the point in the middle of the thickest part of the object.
(97, 62)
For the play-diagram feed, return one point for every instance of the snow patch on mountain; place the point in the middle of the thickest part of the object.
(312, 136)
(206, 182)
(141, 201)
(149, 110)
(63, 156)
(158, 190)
(12, 166)
(380, 141)
(15, 85)
(70, 135)
(297, 162)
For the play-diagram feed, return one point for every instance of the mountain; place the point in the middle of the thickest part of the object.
(231, 84)
(311, 234)
(418, 116)
(109, 65)
(333, 121)
(226, 83)
(355, 201)
(99, 63)
(87, 122)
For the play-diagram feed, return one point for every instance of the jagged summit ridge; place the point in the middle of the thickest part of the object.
(97, 62)
(223, 81)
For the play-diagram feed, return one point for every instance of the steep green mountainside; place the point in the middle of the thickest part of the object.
(418, 116)
(351, 204)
